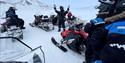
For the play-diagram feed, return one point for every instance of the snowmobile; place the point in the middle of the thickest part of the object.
(14, 31)
(46, 24)
(75, 38)
(43, 23)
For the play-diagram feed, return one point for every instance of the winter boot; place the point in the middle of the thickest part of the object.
(59, 30)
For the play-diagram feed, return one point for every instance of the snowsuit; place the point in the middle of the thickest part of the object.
(114, 51)
(61, 18)
(14, 21)
(69, 15)
(11, 17)
(20, 23)
(97, 34)
(95, 42)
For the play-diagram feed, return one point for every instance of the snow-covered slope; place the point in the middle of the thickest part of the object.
(36, 37)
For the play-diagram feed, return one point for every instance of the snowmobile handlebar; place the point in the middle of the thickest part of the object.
(22, 43)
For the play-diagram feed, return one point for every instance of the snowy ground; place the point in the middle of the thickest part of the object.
(35, 37)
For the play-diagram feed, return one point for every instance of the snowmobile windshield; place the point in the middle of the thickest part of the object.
(14, 50)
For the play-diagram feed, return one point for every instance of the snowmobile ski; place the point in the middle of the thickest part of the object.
(58, 45)
(31, 25)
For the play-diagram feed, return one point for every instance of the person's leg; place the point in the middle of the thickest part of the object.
(21, 23)
(88, 54)
(59, 26)
(63, 26)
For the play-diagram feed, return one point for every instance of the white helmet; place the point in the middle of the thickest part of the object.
(107, 1)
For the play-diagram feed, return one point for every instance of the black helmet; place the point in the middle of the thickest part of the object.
(107, 1)
(12, 8)
(61, 8)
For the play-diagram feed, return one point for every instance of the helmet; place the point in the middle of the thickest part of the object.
(69, 14)
(61, 8)
(107, 1)
(12, 8)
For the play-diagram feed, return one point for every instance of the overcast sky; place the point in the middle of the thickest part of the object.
(73, 3)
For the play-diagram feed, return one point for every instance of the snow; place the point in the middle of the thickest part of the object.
(35, 37)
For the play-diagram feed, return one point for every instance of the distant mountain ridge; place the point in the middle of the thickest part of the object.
(24, 2)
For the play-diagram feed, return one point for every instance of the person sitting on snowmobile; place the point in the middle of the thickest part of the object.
(114, 50)
(97, 33)
(13, 22)
(61, 17)
(70, 19)
(12, 18)
(38, 20)
(69, 15)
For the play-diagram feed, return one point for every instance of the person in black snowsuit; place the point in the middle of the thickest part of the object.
(61, 17)
(12, 19)
(19, 22)
(97, 34)
(15, 21)
(114, 50)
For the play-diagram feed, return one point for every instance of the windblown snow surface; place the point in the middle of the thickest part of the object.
(34, 37)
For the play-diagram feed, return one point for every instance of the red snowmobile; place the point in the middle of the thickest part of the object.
(75, 38)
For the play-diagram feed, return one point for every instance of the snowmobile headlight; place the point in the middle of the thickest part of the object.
(70, 41)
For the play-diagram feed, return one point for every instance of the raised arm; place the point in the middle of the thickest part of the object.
(55, 9)
(67, 10)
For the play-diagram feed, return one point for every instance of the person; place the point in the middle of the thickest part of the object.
(12, 19)
(70, 19)
(15, 21)
(97, 33)
(69, 15)
(19, 22)
(53, 19)
(114, 50)
(61, 17)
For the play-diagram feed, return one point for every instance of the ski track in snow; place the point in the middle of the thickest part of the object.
(35, 37)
